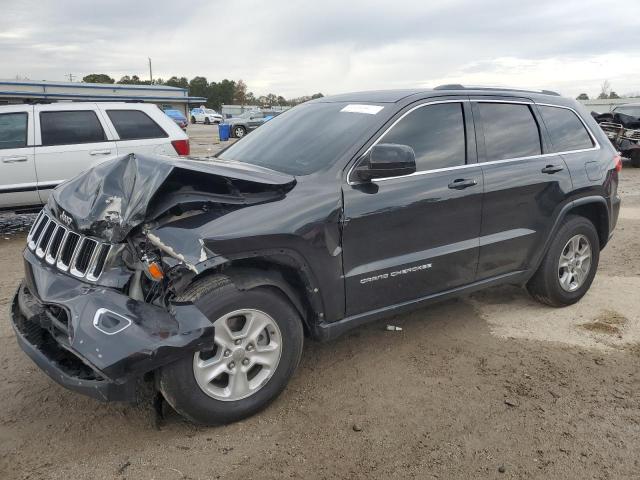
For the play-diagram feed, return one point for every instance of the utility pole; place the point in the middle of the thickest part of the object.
(70, 76)
(150, 71)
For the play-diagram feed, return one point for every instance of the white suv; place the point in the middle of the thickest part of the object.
(44, 144)
(205, 115)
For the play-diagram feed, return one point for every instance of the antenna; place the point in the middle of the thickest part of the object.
(70, 76)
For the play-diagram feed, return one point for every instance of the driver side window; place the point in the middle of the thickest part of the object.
(436, 133)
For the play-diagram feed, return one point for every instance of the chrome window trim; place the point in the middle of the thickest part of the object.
(491, 162)
(461, 100)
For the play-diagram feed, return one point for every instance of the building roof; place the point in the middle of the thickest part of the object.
(45, 90)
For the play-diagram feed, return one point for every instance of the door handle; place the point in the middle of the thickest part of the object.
(14, 159)
(552, 169)
(100, 152)
(462, 183)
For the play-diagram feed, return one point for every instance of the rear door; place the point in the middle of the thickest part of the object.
(19, 182)
(412, 236)
(526, 185)
(70, 138)
(255, 120)
(138, 132)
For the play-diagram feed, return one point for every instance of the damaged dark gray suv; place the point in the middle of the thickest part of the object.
(201, 279)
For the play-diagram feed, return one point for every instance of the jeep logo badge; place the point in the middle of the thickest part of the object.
(65, 218)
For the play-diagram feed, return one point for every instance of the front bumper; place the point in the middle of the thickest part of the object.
(66, 327)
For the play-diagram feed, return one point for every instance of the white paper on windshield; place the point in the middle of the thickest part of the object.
(368, 109)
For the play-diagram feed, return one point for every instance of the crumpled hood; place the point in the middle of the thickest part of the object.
(112, 198)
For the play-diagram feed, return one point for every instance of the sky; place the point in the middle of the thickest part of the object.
(294, 48)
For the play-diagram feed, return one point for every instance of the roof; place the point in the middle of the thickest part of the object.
(97, 86)
(393, 96)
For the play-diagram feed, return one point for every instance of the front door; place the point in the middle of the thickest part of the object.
(19, 182)
(525, 186)
(412, 236)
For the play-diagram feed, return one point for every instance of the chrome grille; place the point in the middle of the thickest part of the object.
(81, 256)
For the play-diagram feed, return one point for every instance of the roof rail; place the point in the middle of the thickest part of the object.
(457, 86)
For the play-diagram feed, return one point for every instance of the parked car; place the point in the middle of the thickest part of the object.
(205, 115)
(203, 278)
(249, 121)
(45, 144)
(622, 126)
(177, 117)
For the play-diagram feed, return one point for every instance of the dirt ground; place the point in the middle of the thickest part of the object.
(487, 386)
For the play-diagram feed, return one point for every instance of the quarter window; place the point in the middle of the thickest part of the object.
(70, 127)
(510, 131)
(135, 125)
(436, 134)
(566, 130)
(13, 130)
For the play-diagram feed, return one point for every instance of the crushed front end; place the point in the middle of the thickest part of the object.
(99, 307)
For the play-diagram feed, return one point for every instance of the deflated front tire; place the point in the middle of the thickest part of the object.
(257, 347)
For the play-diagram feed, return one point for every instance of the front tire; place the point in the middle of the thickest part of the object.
(635, 159)
(207, 121)
(193, 120)
(568, 268)
(257, 347)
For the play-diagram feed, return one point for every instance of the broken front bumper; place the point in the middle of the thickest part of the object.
(96, 340)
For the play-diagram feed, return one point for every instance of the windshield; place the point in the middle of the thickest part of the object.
(209, 111)
(304, 139)
(632, 110)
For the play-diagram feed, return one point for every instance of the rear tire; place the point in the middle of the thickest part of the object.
(187, 387)
(565, 274)
(207, 121)
(239, 132)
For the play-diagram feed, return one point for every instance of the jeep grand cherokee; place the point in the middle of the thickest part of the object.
(203, 278)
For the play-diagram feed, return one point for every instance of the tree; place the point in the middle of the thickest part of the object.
(133, 80)
(199, 87)
(272, 99)
(250, 99)
(240, 92)
(316, 95)
(98, 78)
(613, 95)
(605, 88)
(181, 82)
(582, 96)
(281, 101)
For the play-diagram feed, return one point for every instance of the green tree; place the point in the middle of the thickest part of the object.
(98, 78)
(613, 95)
(132, 80)
(317, 95)
(181, 82)
(582, 96)
(199, 87)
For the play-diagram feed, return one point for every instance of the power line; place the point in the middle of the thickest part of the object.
(70, 76)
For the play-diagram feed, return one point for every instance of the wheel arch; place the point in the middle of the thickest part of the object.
(594, 208)
(281, 270)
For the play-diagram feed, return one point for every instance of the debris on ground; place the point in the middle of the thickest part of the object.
(394, 328)
(608, 322)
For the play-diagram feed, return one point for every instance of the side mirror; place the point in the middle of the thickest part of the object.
(387, 160)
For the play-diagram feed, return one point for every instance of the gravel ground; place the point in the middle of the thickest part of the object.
(487, 386)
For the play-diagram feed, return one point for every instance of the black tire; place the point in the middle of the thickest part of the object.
(635, 159)
(545, 286)
(207, 121)
(193, 119)
(216, 296)
(239, 131)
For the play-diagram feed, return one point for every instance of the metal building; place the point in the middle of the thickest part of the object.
(20, 91)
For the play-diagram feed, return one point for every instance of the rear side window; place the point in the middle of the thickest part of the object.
(436, 134)
(66, 128)
(510, 131)
(135, 125)
(566, 130)
(13, 130)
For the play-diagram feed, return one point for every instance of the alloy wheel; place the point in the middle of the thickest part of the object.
(574, 263)
(246, 352)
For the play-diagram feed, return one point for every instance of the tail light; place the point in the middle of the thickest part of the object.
(181, 146)
(618, 162)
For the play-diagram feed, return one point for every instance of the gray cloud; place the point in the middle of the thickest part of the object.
(302, 47)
